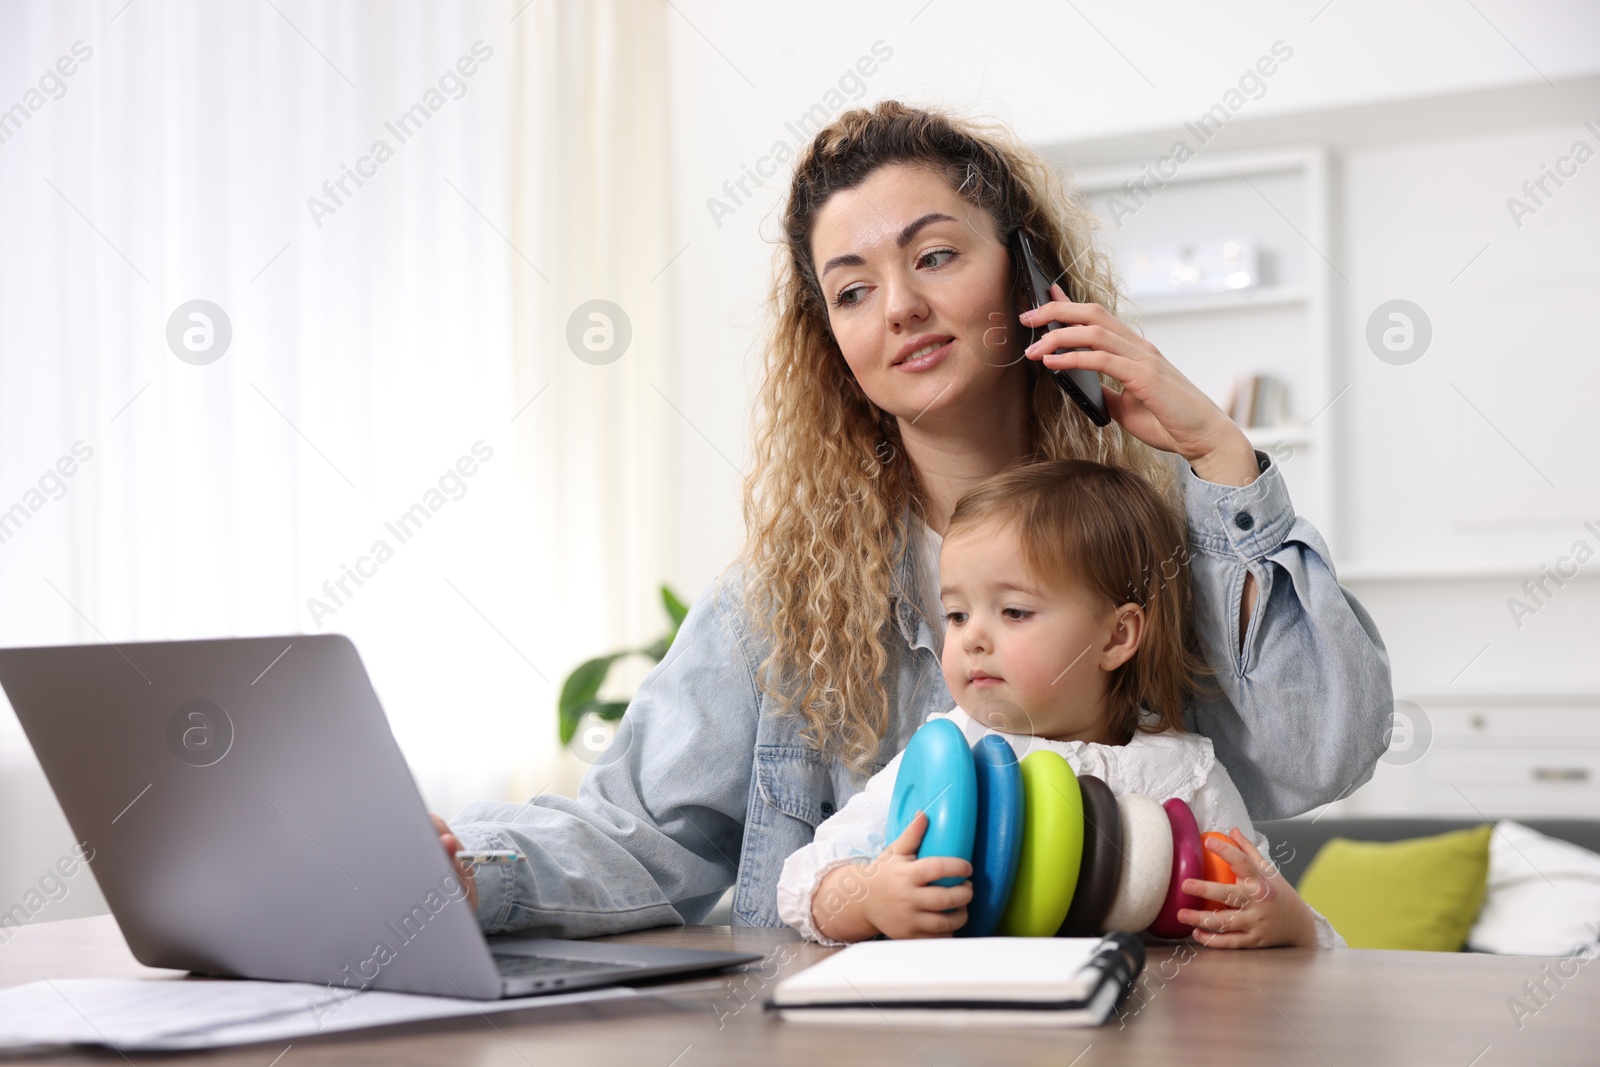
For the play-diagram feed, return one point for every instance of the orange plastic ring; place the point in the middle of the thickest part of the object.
(1216, 869)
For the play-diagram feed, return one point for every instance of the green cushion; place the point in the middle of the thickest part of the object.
(1423, 893)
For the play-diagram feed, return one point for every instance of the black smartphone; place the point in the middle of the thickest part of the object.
(1032, 291)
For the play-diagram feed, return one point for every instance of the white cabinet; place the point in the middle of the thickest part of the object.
(1490, 758)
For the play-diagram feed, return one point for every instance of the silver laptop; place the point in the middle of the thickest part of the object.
(247, 812)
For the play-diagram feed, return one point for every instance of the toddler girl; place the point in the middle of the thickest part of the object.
(1064, 589)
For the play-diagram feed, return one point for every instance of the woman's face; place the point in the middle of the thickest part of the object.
(907, 265)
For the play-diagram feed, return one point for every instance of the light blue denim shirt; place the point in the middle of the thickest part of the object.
(703, 788)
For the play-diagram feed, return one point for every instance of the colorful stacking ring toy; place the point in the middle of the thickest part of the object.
(1146, 865)
(1102, 859)
(1188, 861)
(1216, 868)
(1051, 853)
(936, 775)
(998, 842)
(1052, 847)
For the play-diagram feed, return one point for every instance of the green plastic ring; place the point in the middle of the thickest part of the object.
(1052, 847)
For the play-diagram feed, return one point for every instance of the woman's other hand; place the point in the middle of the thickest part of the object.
(463, 871)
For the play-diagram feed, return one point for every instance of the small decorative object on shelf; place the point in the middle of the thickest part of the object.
(1193, 267)
(1259, 399)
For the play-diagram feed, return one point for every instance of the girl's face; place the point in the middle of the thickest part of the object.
(1021, 658)
(908, 267)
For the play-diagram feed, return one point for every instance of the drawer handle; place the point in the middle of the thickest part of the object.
(1561, 774)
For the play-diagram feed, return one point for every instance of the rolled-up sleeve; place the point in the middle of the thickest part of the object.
(1306, 698)
(654, 835)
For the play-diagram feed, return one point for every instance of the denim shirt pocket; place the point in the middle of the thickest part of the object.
(794, 790)
(796, 781)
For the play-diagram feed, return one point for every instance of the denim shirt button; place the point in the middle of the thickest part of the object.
(1244, 520)
(827, 808)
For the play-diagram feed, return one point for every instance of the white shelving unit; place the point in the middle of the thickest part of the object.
(1240, 300)
(1444, 484)
(1279, 199)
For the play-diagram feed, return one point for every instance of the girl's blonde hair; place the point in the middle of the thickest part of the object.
(830, 478)
(1085, 525)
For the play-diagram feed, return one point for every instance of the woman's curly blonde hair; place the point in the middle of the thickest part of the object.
(830, 482)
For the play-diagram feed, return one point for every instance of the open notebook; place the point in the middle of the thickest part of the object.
(979, 981)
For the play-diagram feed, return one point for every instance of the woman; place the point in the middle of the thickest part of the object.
(894, 381)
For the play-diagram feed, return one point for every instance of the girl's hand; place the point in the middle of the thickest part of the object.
(900, 902)
(1158, 405)
(1263, 909)
(891, 894)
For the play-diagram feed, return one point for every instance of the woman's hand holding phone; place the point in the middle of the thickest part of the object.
(1158, 405)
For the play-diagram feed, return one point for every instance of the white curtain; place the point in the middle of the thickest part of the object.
(393, 312)
(590, 143)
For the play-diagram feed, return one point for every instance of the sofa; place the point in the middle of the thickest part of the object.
(1295, 841)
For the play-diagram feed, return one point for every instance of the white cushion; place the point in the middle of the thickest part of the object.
(1544, 895)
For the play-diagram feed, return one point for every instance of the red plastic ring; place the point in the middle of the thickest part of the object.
(1188, 861)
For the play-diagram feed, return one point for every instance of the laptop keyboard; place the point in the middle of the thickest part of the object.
(511, 966)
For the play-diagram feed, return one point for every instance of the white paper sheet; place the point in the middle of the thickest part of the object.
(187, 1013)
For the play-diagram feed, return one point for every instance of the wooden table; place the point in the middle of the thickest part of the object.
(1193, 1006)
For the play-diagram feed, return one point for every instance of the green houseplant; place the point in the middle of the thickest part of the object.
(580, 692)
